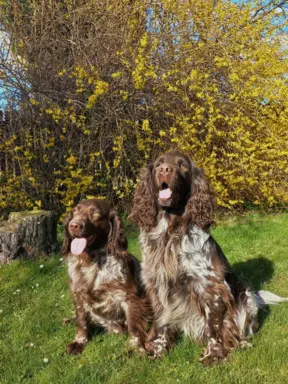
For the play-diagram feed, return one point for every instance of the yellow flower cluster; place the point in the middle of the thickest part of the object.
(198, 75)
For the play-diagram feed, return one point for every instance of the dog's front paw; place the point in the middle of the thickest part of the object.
(75, 348)
(156, 348)
(135, 342)
(245, 344)
(213, 354)
(137, 345)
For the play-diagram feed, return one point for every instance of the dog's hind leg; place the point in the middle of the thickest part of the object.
(137, 314)
(221, 330)
(246, 315)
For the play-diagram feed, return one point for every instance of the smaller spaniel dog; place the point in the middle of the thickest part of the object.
(190, 283)
(103, 276)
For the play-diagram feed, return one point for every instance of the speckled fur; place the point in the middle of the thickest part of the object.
(105, 281)
(187, 277)
(194, 297)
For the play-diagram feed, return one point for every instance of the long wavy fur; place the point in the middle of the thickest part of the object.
(199, 208)
(144, 206)
(117, 241)
(201, 204)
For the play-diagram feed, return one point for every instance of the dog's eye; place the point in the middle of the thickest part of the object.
(159, 162)
(182, 165)
(95, 214)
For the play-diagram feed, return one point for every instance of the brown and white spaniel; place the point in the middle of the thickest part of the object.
(186, 275)
(104, 278)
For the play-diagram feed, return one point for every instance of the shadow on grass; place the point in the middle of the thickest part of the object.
(254, 273)
(94, 331)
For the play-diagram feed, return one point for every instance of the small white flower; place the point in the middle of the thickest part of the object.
(32, 286)
(45, 360)
(31, 344)
(41, 266)
(61, 259)
(1, 310)
(36, 285)
(17, 290)
(56, 305)
(62, 296)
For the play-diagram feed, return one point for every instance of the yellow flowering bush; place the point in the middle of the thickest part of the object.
(112, 84)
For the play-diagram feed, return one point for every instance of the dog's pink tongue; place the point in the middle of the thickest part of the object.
(78, 245)
(165, 193)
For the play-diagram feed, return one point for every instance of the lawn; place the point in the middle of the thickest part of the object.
(35, 299)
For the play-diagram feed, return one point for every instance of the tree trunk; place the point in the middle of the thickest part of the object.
(28, 235)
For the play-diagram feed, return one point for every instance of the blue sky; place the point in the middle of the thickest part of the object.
(2, 99)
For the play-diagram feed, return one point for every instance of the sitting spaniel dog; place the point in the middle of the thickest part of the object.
(188, 278)
(104, 278)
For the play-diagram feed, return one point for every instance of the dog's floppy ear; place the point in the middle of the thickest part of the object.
(117, 241)
(201, 204)
(67, 237)
(144, 206)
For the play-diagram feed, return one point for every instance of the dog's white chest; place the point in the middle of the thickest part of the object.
(82, 276)
(176, 268)
(93, 282)
(166, 255)
(195, 256)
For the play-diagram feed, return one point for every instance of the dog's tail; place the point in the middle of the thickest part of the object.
(268, 298)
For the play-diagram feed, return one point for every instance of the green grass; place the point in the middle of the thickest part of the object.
(32, 330)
